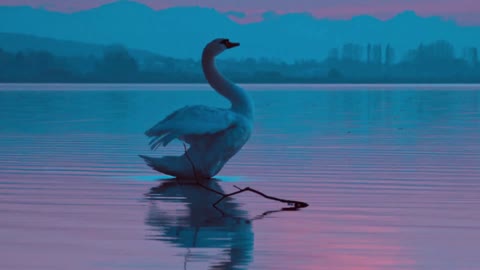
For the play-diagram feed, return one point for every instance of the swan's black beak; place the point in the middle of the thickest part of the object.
(231, 44)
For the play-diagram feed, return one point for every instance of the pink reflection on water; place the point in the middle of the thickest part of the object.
(380, 197)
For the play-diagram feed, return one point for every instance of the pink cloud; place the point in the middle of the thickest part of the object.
(463, 11)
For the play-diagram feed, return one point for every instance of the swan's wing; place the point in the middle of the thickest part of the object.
(190, 120)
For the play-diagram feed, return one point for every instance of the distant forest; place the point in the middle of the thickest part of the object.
(352, 63)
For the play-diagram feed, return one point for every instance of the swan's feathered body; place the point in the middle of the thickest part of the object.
(214, 134)
(190, 121)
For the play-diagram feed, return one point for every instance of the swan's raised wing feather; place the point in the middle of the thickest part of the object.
(190, 120)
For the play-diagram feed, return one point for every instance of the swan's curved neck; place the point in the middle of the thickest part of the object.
(240, 100)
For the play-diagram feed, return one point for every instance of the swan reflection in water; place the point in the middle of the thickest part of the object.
(201, 226)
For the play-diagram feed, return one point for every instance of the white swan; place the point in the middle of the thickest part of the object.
(214, 134)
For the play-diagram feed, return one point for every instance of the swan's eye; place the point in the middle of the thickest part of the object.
(224, 41)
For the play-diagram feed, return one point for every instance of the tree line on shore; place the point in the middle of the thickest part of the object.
(436, 62)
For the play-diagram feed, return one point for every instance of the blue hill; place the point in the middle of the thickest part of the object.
(182, 32)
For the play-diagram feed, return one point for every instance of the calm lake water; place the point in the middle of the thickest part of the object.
(391, 173)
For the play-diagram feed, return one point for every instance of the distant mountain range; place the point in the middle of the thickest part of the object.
(182, 32)
(12, 42)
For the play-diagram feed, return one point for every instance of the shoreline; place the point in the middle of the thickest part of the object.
(249, 86)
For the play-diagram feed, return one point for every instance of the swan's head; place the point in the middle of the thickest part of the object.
(219, 45)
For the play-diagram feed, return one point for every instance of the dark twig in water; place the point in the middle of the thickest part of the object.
(273, 211)
(294, 204)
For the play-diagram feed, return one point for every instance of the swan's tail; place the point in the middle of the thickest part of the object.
(175, 166)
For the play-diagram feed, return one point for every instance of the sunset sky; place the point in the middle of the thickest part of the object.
(465, 12)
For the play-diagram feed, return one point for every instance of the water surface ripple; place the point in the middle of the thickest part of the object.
(392, 177)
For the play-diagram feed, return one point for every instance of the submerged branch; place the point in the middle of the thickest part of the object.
(294, 204)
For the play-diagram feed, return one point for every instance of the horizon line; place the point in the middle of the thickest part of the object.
(250, 86)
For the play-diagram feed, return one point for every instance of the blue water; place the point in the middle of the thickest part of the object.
(391, 173)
